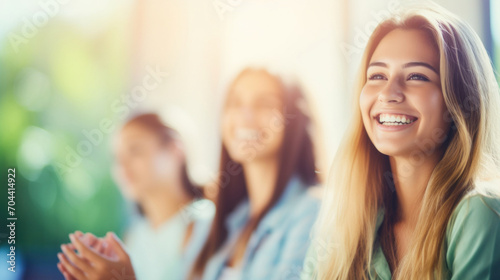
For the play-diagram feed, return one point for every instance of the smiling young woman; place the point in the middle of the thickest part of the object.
(151, 171)
(264, 204)
(414, 189)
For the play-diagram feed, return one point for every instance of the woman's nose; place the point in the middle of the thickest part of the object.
(247, 113)
(392, 92)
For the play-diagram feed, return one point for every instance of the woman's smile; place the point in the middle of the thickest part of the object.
(394, 121)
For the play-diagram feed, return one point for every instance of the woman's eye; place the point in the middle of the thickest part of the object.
(376, 77)
(418, 77)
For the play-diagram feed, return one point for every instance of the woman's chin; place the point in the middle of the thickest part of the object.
(249, 157)
(392, 150)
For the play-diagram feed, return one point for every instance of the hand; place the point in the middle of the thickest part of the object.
(112, 262)
(99, 244)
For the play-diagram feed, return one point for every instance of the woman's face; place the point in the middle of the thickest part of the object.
(252, 122)
(401, 103)
(143, 163)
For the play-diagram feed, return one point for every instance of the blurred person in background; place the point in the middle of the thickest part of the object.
(264, 204)
(151, 171)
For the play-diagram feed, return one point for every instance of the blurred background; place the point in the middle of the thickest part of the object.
(71, 71)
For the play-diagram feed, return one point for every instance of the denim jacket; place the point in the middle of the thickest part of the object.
(278, 246)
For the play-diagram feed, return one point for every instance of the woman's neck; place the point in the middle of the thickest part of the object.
(260, 177)
(410, 181)
(162, 205)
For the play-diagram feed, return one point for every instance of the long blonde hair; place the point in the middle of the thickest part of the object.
(358, 186)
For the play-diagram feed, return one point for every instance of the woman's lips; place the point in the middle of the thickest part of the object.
(246, 134)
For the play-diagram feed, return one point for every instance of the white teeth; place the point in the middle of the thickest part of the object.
(391, 120)
(246, 134)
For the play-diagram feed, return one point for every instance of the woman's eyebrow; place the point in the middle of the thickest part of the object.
(406, 65)
(378, 63)
(419, 63)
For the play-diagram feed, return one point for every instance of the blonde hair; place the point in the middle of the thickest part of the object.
(358, 186)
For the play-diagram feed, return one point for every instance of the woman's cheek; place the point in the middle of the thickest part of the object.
(365, 105)
(265, 120)
(364, 99)
(142, 169)
(432, 108)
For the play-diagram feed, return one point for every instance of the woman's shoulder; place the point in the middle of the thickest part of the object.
(301, 213)
(475, 212)
(477, 208)
(200, 210)
(308, 203)
(201, 213)
(473, 238)
(298, 199)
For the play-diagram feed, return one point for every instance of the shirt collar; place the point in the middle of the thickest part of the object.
(239, 216)
(379, 265)
(380, 219)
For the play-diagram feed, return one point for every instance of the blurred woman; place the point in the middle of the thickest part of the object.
(264, 210)
(415, 189)
(151, 171)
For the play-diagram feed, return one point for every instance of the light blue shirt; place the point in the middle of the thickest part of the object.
(157, 254)
(278, 246)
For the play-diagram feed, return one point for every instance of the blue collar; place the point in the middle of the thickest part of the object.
(237, 219)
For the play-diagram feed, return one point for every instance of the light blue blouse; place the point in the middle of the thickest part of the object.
(277, 248)
(158, 254)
